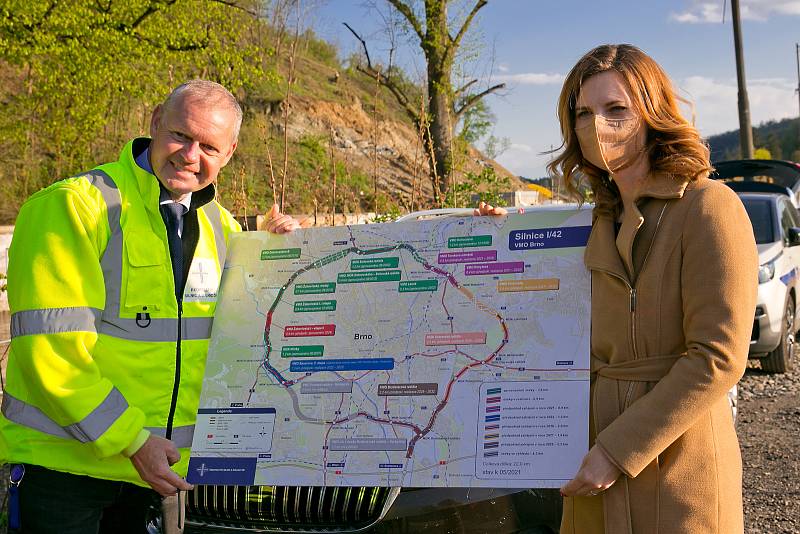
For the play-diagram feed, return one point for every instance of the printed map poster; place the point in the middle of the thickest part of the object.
(452, 352)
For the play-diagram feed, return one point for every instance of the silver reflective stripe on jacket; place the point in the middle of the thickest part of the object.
(87, 430)
(108, 322)
(55, 321)
(192, 328)
(181, 435)
(111, 261)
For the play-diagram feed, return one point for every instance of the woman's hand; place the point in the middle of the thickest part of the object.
(596, 474)
(279, 223)
(487, 209)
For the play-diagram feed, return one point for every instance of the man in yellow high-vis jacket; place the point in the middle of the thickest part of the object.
(112, 283)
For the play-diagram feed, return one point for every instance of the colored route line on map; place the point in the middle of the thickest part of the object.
(419, 433)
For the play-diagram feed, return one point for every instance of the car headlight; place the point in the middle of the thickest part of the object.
(766, 272)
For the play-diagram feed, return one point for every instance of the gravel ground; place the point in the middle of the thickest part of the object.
(769, 433)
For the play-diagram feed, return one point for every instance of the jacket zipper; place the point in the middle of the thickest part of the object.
(177, 382)
(632, 307)
(632, 293)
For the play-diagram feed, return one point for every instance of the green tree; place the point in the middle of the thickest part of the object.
(476, 122)
(439, 37)
(494, 146)
(487, 186)
(84, 76)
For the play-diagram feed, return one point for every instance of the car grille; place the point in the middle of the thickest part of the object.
(268, 507)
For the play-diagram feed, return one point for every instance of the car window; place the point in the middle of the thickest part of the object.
(794, 214)
(786, 219)
(760, 212)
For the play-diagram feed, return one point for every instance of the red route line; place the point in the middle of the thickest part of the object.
(375, 419)
(419, 433)
(453, 380)
(325, 447)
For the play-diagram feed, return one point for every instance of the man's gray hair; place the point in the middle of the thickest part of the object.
(211, 93)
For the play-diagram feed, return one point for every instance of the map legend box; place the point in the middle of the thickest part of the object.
(530, 430)
(235, 429)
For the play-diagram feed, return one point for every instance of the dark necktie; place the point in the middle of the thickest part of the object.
(172, 214)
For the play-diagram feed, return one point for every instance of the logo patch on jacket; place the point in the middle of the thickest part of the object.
(203, 280)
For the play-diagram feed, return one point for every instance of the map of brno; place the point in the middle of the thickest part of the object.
(445, 353)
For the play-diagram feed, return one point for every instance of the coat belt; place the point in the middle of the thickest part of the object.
(607, 407)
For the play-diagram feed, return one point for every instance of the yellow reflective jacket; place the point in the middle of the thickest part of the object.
(102, 353)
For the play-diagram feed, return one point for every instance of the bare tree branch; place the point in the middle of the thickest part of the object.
(236, 5)
(363, 43)
(147, 12)
(406, 11)
(398, 93)
(464, 87)
(456, 41)
(472, 100)
(202, 44)
(385, 81)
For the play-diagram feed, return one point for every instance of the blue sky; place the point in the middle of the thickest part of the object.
(532, 44)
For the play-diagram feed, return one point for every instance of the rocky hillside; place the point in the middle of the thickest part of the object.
(360, 137)
(311, 121)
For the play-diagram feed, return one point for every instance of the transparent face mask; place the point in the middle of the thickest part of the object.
(610, 144)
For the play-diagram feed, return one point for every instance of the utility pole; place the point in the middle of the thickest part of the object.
(745, 130)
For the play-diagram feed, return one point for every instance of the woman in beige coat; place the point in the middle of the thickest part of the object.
(674, 279)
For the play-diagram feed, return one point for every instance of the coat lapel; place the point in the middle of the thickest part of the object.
(613, 252)
(601, 254)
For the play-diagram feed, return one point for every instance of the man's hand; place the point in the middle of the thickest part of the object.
(152, 461)
(278, 223)
(596, 474)
(487, 209)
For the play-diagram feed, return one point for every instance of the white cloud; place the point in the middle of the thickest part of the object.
(716, 104)
(520, 147)
(531, 78)
(685, 18)
(701, 12)
(502, 67)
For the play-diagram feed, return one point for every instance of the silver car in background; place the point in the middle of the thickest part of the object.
(776, 224)
(770, 191)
